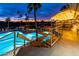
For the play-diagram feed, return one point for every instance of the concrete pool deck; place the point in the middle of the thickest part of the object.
(68, 45)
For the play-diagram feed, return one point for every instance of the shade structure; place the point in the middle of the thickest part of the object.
(66, 15)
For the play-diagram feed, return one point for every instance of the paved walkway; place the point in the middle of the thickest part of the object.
(68, 45)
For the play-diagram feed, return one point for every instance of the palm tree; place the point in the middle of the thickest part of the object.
(18, 12)
(19, 16)
(7, 20)
(26, 17)
(35, 7)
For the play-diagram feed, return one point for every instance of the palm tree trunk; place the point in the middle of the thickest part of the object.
(36, 24)
(8, 25)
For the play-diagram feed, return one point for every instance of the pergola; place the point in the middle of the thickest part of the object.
(66, 15)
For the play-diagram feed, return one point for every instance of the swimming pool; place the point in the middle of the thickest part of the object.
(7, 43)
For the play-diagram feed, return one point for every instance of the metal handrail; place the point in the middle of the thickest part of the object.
(5, 35)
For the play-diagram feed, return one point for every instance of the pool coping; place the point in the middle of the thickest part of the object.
(10, 53)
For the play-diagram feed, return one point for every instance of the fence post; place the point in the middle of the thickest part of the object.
(14, 43)
(51, 33)
(51, 37)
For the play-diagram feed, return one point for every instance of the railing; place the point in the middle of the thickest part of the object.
(14, 41)
(14, 53)
(5, 36)
(58, 37)
(8, 35)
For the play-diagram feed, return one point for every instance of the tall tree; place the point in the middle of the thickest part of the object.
(26, 18)
(26, 28)
(35, 7)
(7, 20)
(19, 16)
(18, 12)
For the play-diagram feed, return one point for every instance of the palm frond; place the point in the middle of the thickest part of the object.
(25, 14)
(30, 7)
(18, 11)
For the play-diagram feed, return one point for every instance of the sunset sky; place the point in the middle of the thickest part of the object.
(45, 12)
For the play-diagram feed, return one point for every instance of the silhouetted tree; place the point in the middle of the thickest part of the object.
(19, 16)
(26, 17)
(8, 20)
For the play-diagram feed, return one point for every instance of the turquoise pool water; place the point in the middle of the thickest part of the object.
(7, 43)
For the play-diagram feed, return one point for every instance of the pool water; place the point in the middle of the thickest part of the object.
(7, 43)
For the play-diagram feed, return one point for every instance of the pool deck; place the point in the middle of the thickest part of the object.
(68, 45)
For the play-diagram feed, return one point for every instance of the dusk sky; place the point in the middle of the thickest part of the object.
(45, 12)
